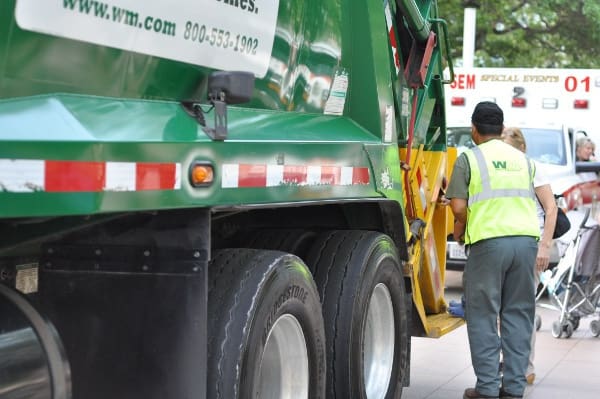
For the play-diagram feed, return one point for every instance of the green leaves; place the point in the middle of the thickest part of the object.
(534, 33)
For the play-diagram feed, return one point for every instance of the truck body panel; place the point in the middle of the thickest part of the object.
(188, 231)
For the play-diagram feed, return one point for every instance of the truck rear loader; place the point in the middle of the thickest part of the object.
(220, 198)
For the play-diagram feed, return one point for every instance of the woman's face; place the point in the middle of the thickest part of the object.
(584, 152)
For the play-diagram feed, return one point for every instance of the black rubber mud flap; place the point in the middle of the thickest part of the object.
(348, 266)
(250, 291)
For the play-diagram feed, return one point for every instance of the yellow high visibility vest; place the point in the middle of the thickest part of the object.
(501, 195)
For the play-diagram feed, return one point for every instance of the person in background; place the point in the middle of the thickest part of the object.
(492, 198)
(546, 212)
(584, 149)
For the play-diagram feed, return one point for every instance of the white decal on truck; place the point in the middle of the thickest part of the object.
(221, 34)
(337, 95)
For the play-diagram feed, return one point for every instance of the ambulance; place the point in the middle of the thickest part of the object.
(568, 97)
(553, 107)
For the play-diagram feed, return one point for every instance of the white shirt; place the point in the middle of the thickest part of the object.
(540, 179)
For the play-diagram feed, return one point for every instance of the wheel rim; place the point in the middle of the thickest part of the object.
(556, 329)
(379, 343)
(284, 363)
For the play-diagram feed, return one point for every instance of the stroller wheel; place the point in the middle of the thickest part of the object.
(557, 329)
(538, 322)
(595, 327)
(568, 329)
(575, 321)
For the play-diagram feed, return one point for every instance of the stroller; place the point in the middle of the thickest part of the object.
(573, 286)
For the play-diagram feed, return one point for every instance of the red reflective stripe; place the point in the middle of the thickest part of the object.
(155, 176)
(331, 175)
(294, 174)
(252, 176)
(394, 48)
(70, 176)
(360, 176)
(256, 175)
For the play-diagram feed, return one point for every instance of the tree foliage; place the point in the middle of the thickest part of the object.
(528, 33)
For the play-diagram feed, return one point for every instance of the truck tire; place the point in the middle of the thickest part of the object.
(33, 360)
(266, 335)
(366, 321)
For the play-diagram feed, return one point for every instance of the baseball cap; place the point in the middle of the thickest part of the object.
(488, 113)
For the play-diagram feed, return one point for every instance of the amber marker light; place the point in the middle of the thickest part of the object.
(201, 174)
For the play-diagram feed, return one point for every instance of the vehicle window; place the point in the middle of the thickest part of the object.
(546, 145)
(459, 137)
(543, 145)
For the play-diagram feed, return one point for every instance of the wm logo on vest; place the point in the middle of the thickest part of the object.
(508, 166)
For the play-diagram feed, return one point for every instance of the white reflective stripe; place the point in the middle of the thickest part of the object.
(483, 169)
(486, 189)
(313, 175)
(22, 175)
(500, 193)
(230, 176)
(274, 175)
(177, 176)
(346, 176)
(120, 176)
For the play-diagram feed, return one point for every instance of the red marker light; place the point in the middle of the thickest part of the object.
(518, 102)
(580, 104)
(458, 101)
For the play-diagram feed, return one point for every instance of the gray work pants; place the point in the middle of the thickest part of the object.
(498, 285)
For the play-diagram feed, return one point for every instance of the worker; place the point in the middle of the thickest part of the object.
(492, 198)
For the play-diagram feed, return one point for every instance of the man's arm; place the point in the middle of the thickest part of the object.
(458, 192)
(459, 209)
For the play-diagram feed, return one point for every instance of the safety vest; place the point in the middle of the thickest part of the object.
(501, 196)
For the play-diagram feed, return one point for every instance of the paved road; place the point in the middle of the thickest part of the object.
(565, 368)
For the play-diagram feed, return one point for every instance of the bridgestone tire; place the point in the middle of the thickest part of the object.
(256, 296)
(350, 268)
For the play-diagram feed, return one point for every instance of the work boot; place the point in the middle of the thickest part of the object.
(472, 393)
(506, 395)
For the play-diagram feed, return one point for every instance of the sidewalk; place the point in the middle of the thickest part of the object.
(565, 368)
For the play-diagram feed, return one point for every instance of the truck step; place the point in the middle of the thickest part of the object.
(441, 324)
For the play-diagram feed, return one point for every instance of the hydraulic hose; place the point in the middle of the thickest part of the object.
(417, 24)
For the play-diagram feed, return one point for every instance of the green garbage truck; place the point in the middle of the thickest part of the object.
(220, 198)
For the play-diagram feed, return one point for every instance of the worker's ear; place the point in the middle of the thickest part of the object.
(475, 136)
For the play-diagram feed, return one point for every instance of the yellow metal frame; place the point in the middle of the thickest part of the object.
(426, 177)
